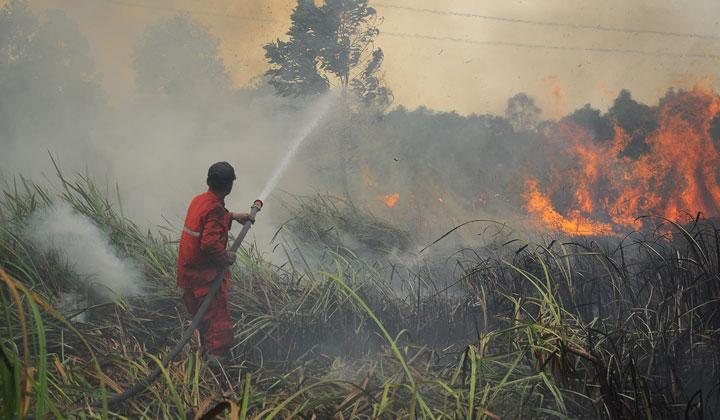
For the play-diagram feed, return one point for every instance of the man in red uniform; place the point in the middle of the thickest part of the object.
(202, 256)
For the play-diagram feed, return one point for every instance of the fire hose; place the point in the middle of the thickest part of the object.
(142, 385)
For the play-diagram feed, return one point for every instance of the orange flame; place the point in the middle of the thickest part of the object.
(557, 95)
(540, 206)
(389, 200)
(606, 92)
(676, 177)
(367, 178)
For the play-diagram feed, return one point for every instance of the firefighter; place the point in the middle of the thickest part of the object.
(202, 256)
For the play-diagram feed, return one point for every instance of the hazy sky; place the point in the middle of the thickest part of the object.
(447, 75)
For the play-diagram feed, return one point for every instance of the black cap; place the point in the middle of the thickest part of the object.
(220, 173)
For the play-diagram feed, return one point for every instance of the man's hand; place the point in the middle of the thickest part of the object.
(231, 257)
(243, 217)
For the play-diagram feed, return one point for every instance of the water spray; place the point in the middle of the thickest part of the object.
(256, 207)
(320, 110)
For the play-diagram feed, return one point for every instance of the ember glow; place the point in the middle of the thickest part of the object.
(367, 178)
(605, 189)
(390, 200)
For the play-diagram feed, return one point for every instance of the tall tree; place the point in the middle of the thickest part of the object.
(522, 113)
(331, 45)
(17, 25)
(636, 119)
(180, 58)
(600, 126)
(51, 97)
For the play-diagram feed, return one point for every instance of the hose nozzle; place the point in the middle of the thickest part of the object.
(258, 204)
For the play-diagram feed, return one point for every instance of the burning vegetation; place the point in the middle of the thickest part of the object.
(582, 329)
(407, 289)
(389, 200)
(668, 168)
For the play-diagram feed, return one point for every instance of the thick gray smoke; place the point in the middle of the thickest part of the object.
(85, 249)
(156, 145)
(185, 113)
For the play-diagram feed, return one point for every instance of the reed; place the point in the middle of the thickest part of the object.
(576, 329)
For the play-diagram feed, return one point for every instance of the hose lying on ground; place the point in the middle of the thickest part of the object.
(142, 385)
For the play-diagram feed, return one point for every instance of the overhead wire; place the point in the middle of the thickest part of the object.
(550, 23)
(465, 40)
(552, 47)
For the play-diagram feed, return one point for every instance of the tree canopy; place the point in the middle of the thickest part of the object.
(180, 58)
(48, 78)
(522, 113)
(331, 45)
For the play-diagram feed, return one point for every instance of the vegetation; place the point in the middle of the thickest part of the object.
(46, 69)
(331, 223)
(352, 323)
(598, 330)
(329, 45)
(180, 59)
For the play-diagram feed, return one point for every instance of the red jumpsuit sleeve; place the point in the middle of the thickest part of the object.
(212, 241)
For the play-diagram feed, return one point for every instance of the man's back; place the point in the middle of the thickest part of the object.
(203, 241)
(202, 256)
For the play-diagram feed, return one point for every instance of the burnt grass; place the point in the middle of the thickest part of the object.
(580, 328)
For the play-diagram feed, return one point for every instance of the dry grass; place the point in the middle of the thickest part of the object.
(579, 330)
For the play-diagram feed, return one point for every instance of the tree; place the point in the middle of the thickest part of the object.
(329, 46)
(51, 97)
(636, 119)
(522, 113)
(590, 119)
(180, 58)
(17, 24)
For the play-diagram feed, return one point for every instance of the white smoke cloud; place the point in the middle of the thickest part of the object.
(85, 249)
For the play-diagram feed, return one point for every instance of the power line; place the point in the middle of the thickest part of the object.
(552, 47)
(434, 38)
(551, 23)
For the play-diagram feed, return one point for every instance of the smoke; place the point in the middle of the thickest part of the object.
(155, 144)
(183, 113)
(441, 74)
(84, 248)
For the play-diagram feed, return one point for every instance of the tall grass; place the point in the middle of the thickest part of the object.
(632, 325)
(616, 329)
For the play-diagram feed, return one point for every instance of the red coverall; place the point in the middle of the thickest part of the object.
(201, 256)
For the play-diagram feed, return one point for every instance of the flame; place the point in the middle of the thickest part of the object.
(690, 80)
(367, 178)
(389, 200)
(606, 190)
(557, 95)
(541, 206)
(606, 92)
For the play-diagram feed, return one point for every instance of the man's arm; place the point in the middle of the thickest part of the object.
(211, 242)
(242, 217)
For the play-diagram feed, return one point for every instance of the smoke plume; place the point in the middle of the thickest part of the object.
(85, 248)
